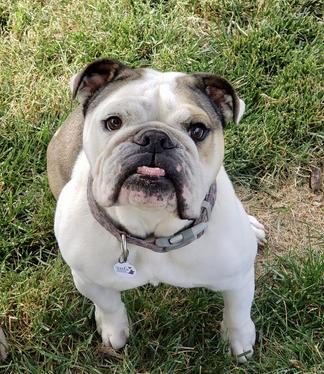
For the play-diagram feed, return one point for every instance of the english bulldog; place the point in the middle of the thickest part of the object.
(143, 196)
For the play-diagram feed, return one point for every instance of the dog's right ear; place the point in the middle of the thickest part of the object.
(95, 76)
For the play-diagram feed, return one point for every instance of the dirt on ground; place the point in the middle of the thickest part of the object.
(293, 217)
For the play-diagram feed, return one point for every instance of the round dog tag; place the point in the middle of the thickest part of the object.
(124, 269)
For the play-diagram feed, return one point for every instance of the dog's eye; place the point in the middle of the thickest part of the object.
(198, 131)
(112, 123)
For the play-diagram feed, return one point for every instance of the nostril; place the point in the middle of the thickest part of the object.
(145, 141)
(142, 140)
(166, 142)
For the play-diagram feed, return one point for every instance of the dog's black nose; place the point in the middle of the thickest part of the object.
(154, 141)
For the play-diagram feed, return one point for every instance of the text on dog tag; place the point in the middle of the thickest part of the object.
(124, 269)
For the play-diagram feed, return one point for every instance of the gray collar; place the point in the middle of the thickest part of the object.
(162, 244)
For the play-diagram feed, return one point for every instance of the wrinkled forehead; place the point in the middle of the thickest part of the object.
(157, 84)
(153, 86)
(161, 93)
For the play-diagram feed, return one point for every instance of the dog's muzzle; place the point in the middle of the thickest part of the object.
(151, 167)
(162, 244)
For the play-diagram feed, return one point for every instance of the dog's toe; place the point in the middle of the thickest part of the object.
(117, 340)
(242, 353)
(258, 229)
(113, 327)
(241, 340)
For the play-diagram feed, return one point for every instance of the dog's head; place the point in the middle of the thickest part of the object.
(153, 139)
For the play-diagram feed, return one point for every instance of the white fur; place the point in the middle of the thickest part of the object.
(222, 259)
(91, 252)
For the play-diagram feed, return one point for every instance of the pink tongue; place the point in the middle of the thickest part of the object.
(156, 172)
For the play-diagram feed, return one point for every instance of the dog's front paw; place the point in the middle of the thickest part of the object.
(258, 229)
(113, 327)
(241, 340)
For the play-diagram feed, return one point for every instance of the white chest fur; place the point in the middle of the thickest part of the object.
(220, 259)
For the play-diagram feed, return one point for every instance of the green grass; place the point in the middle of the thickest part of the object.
(173, 330)
(271, 50)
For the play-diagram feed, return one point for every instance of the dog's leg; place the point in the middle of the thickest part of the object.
(110, 312)
(237, 326)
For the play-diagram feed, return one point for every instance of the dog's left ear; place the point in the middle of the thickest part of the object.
(97, 75)
(222, 95)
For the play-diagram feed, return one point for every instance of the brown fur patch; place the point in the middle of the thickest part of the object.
(63, 150)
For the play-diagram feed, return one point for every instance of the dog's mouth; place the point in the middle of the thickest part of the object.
(148, 186)
(144, 179)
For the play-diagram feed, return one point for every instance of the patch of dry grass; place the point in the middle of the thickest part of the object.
(292, 215)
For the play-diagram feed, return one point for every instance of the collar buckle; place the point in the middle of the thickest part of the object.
(182, 238)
